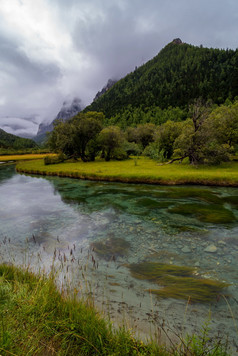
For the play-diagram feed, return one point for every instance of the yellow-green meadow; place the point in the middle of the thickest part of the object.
(137, 170)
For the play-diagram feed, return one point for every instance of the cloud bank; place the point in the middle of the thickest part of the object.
(54, 50)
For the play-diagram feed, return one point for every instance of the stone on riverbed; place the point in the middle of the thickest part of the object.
(211, 249)
(186, 249)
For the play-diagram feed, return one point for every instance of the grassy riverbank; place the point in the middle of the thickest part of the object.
(37, 319)
(20, 157)
(141, 170)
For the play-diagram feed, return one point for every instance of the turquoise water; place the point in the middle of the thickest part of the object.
(79, 224)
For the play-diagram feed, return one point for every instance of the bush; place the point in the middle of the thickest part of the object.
(132, 148)
(152, 151)
(119, 154)
(54, 159)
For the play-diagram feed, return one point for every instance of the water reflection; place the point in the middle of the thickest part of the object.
(108, 227)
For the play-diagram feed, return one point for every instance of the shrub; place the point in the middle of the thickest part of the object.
(54, 159)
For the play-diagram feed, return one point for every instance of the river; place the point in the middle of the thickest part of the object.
(99, 235)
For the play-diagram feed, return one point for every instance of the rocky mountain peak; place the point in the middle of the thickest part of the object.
(177, 41)
(68, 110)
(109, 84)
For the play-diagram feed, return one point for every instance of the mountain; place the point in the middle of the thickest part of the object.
(175, 77)
(15, 142)
(108, 86)
(67, 111)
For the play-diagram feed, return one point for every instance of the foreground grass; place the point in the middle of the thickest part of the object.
(142, 170)
(37, 319)
(19, 157)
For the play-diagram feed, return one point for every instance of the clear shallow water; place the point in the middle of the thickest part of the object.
(65, 218)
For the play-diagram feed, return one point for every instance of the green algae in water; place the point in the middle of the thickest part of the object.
(111, 247)
(152, 203)
(205, 213)
(155, 272)
(196, 290)
(232, 200)
(200, 194)
(177, 282)
(190, 229)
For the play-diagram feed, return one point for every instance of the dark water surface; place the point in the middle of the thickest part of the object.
(95, 231)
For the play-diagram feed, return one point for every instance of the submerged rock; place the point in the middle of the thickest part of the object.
(211, 249)
(186, 249)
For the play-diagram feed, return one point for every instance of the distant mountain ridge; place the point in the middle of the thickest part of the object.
(175, 77)
(108, 86)
(12, 141)
(67, 111)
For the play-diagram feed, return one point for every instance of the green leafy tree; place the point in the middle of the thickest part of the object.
(202, 139)
(77, 136)
(165, 137)
(142, 134)
(192, 139)
(61, 139)
(111, 140)
(222, 123)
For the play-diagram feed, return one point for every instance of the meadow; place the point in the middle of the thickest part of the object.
(20, 157)
(138, 170)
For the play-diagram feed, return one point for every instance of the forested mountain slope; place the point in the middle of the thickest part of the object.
(177, 75)
(11, 141)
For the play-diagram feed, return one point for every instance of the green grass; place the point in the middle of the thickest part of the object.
(146, 171)
(37, 319)
(19, 157)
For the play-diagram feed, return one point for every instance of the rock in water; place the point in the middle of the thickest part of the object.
(211, 249)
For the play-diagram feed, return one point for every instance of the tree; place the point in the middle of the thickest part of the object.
(77, 136)
(204, 138)
(61, 139)
(111, 140)
(192, 139)
(142, 134)
(223, 124)
(165, 137)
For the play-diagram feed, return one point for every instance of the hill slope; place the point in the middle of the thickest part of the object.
(15, 142)
(177, 75)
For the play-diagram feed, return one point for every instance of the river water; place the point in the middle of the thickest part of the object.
(93, 232)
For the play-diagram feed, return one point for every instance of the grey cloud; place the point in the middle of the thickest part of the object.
(128, 36)
(21, 127)
(16, 62)
(112, 37)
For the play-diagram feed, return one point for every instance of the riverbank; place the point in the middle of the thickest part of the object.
(20, 157)
(39, 319)
(138, 170)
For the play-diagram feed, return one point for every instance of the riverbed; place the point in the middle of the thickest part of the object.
(94, 232)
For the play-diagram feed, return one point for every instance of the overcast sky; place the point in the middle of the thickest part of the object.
(53, 50)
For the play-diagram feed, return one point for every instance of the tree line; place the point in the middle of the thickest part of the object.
(10, 141)
(209, 134)
(179, 74)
